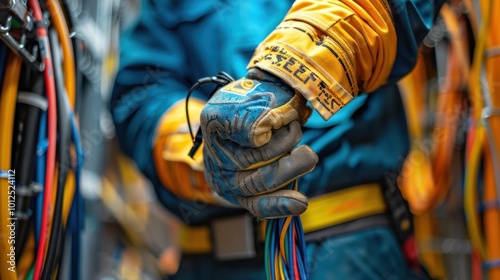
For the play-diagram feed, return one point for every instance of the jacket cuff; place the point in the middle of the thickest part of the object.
(330, 52)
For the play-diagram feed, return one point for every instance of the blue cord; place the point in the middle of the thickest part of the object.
(40, 173)
(302, 266)
(301, 253)
(285, 270)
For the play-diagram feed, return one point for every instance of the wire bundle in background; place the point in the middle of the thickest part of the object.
(454, 191)
(40, 141)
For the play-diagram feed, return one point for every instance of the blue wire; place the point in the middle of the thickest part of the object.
(302, 266)
(301, 253)
(40, 174)
(285, 270)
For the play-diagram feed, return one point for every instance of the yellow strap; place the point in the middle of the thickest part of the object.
(323, 211)
(343, 206)
(195, 240)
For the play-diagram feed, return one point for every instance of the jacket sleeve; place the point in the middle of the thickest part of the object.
(330, 51)
(148, 83)
(150, 87)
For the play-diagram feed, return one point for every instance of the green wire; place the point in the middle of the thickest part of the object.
(266, 249)
(30, 273)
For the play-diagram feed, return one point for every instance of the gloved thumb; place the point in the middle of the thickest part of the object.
(277, 204)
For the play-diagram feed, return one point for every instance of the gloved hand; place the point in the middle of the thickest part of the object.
(250, 128)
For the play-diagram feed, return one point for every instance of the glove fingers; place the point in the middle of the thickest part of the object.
(294, 110)
(276, 175)
(277, 204)
(240, 158)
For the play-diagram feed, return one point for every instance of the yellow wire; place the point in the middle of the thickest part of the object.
(282, 236)
(276, 266)
(280, 268)
(28, 259)
(479, 139)
(7, 111)
(470, 197)
(50, 219)
(67, 48)
(69, 193)
(61, 28)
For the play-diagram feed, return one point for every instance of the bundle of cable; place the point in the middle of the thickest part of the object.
(285, 248)
(40, 142)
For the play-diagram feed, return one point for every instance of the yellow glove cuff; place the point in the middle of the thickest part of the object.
(179, 173)
(330, 51)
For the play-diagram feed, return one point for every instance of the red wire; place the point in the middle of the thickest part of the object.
(52, 127)
(294, 254)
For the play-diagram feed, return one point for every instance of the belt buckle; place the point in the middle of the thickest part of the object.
(234, 238)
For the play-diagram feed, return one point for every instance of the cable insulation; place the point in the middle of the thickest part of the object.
(7, 112)
(52, 128)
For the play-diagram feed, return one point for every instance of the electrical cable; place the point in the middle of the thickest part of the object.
(27, 119)
(52, 128)
(71, 21)
(75, 216)
(59, 22)
(28, 254)
(64, 128)
(77, 206)
(69, 192)
(473, 160)
(40, 173)
(219, 80)
(7, 113)
(284, 249)
(491, 162)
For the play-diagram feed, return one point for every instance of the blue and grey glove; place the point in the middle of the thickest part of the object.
(251, 128)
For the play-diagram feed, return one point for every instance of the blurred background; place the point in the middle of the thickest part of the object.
(115, 227)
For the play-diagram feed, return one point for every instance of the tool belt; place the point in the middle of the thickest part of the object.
(331, 214)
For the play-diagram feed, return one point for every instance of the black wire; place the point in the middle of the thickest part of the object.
(219, 80)
(56, 241)
(27, 123)
(77, 43)
(68, 15)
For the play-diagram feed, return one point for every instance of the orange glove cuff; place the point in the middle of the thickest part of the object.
(179, 173)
